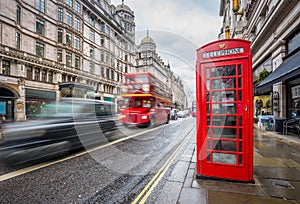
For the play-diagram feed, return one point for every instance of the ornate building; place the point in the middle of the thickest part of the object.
(148, 60)
(273, 27)
(52, 49)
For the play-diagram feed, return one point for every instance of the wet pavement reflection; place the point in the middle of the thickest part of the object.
(276, 175)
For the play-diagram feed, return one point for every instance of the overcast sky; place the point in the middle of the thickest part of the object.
(178, 27)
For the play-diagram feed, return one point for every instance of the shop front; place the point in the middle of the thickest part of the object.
(262, 105)
(7, 104)
(76, 90)
(35, 99)
(285, 85)
(294, 98)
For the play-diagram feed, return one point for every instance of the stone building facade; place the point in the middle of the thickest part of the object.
(61, 48)
(273, 27)
(148, 60)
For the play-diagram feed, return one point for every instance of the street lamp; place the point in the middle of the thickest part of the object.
(236, 8)
(227, 32)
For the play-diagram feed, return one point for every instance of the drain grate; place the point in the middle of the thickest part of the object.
(282, 183)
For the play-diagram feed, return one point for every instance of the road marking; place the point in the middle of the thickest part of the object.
(46, 164)
(147, 190)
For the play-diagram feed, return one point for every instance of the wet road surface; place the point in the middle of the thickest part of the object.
(112, 173)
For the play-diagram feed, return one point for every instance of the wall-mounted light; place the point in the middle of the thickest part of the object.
(227, 32)
(236, 8)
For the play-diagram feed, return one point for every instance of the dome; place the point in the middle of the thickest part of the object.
(147, 40)
(123, 7)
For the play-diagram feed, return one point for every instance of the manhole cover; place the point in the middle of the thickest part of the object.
(282, 183)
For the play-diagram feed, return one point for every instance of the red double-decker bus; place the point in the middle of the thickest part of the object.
(146, 100)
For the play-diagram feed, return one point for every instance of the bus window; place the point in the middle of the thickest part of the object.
(142, 79)
(129, 79)
(137, 103)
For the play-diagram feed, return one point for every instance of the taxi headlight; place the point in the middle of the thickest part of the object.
(122, 116)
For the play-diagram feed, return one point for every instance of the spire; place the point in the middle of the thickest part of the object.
(147, 33)
(122, 2)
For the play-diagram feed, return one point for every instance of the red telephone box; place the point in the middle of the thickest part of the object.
(224, 111)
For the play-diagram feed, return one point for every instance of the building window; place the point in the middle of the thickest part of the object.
(50, 77)
(77, 7)
(102, 27)
(69, 3)
(92, 36)
(29, 73)
(44, 75)
(107, 58)
(69, 39)
(40, 5)
(69, 18)
(107, 73)
(18, 14)
(60, 14)
(59, 55)
(102, 71)
(92, 68)
(112, 75)
(5, 67)
(293, 42)
(102, 57)
(102, 41)
(77, 43)
(40, 27)
(39, 49)
(18, 40)
(77, 24)
(92, 21)
(69, 59)
(107, 30)
(59, 35)
(92, 52)
(37, 74)
(77, 61)
(63, 78)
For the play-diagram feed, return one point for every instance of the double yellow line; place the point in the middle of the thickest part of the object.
(145, 193)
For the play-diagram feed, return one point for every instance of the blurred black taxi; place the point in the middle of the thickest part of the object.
(59, 128)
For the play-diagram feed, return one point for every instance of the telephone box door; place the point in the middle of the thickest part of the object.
(224, 134)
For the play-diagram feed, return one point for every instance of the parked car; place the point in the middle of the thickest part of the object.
(187, 113)
(181, 114)
(61, 127)
(173, 114)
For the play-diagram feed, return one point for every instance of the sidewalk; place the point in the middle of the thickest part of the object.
(276, 175)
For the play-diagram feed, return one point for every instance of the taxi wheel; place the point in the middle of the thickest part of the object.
(168, 119)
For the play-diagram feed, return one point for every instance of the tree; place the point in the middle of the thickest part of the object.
(264, 73)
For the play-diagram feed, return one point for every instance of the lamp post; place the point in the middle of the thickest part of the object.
(227, 32)
(236, 8)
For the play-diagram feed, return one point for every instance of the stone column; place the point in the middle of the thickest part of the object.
(20, 103)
